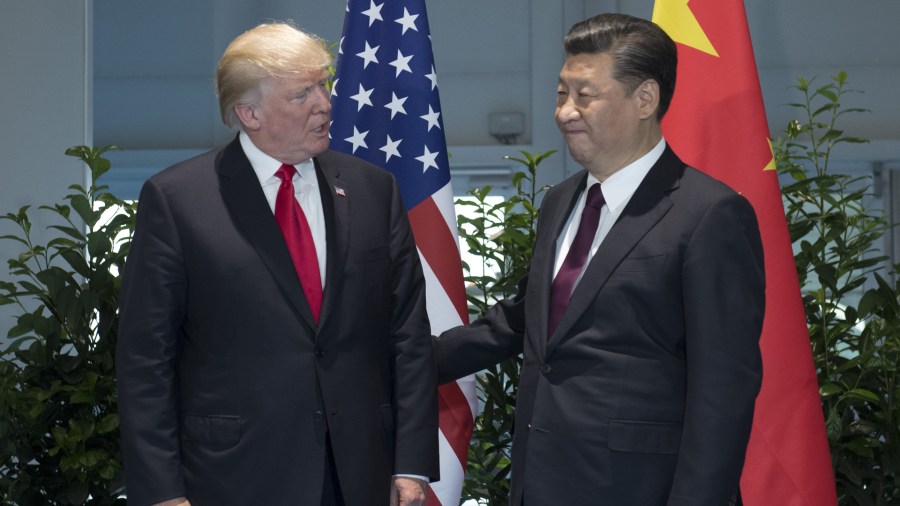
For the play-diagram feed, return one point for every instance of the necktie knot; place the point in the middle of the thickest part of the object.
(595, 197)
(286, 172)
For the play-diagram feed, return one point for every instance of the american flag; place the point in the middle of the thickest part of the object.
(386, 109)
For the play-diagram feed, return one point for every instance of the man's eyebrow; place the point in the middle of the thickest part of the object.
(576, 81)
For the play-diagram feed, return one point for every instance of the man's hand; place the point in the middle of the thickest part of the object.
(408, 491)
(178, 501)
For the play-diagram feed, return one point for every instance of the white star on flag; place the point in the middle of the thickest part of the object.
(432, 118)
(334, 87)
(433, 78)
(368, 55)
(408, 21)
(428, 159)
(358, 139)
(363, 98)
(401, 63)
(390, 149)
(373, 12)
(396, 105)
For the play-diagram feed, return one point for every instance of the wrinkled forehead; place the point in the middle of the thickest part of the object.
(586, 67)
(299, 79)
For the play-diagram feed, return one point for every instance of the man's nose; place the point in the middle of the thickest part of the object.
(322, 99)
(566, 111)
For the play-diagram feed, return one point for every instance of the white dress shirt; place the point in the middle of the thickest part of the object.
(306, 190)
(617, 191)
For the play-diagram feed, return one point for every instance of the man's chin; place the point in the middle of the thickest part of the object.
(321, 148)
(577, 154)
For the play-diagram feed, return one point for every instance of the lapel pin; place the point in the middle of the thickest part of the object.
(340, 191)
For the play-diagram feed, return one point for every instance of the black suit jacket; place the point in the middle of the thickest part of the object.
(644, 394)
(225, 383)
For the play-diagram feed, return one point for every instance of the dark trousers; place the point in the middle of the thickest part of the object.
(331, 489)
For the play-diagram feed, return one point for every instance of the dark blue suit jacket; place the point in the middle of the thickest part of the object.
(225, 382)
(644, 394)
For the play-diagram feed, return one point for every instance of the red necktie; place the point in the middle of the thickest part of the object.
(564, 282)
(299, 239)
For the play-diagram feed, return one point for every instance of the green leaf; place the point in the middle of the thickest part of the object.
(70, 231)
(833, 425)
(108, 423)
(14, 238)
(54, 279)
(830, 135)
(870, 301)
(77, 262)
(862, 447)
(98, 244)
(866, 395)
(824, 108)
(76, 493)
(830, 389)
(826, 91)
(16, 344)
(21, 327)
(82, 206)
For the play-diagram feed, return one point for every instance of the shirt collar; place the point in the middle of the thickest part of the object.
(619, 187)
(265, 166)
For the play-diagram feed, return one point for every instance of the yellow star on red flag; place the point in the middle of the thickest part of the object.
(677, 19)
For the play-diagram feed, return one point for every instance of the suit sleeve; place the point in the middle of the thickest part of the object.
(497, 336)
(414, 379)
(724, 303)
(152, 302)
(491, 339)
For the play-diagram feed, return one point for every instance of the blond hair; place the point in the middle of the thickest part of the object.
(269, 50)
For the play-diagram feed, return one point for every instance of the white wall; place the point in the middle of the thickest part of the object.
(820, 37)
(154, 63)
(45, 100)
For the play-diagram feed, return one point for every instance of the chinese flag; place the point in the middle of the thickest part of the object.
(717, 124)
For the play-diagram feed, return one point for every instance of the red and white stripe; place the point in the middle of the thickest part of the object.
(433, 223)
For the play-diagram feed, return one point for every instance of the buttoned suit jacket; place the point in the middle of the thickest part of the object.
(644, 394)
(227, 385)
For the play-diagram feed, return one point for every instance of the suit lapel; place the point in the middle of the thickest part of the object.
(336, 205)
(554, 213)
(647, 206)
(245, 200)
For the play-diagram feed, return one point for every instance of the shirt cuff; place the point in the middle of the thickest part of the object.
(416, 476)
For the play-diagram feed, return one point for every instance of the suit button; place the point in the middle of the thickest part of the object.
(320, 353)
(319, 416)
(545, 368)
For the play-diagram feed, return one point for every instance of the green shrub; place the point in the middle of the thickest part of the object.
(59, 437)
(501, 235)
(851, 310)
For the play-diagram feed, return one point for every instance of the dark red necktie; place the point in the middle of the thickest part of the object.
(564, 282)
(299, 239)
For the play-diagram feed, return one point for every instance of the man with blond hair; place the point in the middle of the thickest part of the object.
(274, 344)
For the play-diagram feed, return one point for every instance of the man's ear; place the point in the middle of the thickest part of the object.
(248, 115)
(648, 98)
